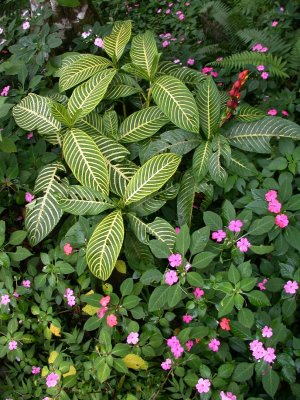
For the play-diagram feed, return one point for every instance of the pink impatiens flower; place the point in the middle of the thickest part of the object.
(165, 43)
(35, 370)
(224, 324)
(281, 220)
(265, 75)
(181, 17)
(25, 25)
(219, 235)
(190, 61)
(235, 226)
(260, 68)
(168, 11)
(198, 293)
(267, 332)
(111, 320)
(69, 295)
(105, 301)
(261, 285)
(133, 338)
(257, 349)
(29, 135)
(274, 206)
(171, 278)
(29, 197)
(269, 355)
(5, 299)
(12, 345)
(284, 113)
(177, 229)
(189, 344)
(5, 90)
(99, 42)
(52, 379)
(101, 312)
(243, 244)
(167, 364)
(227, 396)
(274, 23)
(175, 260)
(203, 385)
(214, 344)
(26, 283)
(206, 70)
(272, 112)
(68, 249)
(271, 195)
(187, 318)
(291, 287)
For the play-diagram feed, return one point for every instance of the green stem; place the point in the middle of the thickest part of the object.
(148, 100)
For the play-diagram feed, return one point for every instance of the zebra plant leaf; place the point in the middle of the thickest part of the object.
(142, 124)
(176, 102)
(80, 69)
(200, 160)
(122, 85)
(139, 228)
(115, 43)
(186, 75)
(151, 177)
(43, 214)
(87, 96)
(255, 136)
(110, 120)
(185, 199)
(144, 54)
(111, 150)
(105, 245)
(120, 175)
(91, 124)
(61, 114)
(86, 161)
(217, 172)
(81, 200)
(209, 105)
(33, 112)
(240, 164)
(246, 113)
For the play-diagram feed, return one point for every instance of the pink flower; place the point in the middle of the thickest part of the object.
(281, 9)
(105, 301)
(111, 320)
(206, 70)
(224, 324)
(271, 195)
(177, 229)
(165, 43)
(167, 364)
(261, 285)
(267, 332)
(52, 379)
(178, 12)
(187, 3)
(291, 287)
(5, 90)
(257, 47)
(274, 206)
(265, 75)
(272, 112)
(281, 220)
(5, 299)
(12, 345)
(171, 278)
(203, 385)
(258, 350)
(15, 294)
(101, 312)
(187, 318)
(68, 249)
(243, 244)
(189, 344)
(175, 346)
(177, 61)
(269, 355)
(284, 113)
(175, 260)
(181, 17)
(198, 293)
(29, 135)
(235, 226)
(25, 25)
(214, 345)
(133, 338)
(35, 370)
(26, 283)
(187, 267)
(260, 68)
(69, 295)
(159, 11)
(29, 197)
(190, 61)
(168, 11)
(274, 23)
(227, 396)
(170, 4)
(218, 235)
(214, 74)
(264, 49)
(98, 42)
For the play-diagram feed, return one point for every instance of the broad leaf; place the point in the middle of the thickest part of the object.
(144, 53)
(186, 75)
(217, 172)
(86, 160)
(61, 113)
(110, 121)
(240, 164)
(151, 177)
(201, 160)
(120, 175)
(177, 102)
(122, 85)
(111, 150)
(185, 199)
(91, 124)
(105, 245)
(246, 113)
(115, 43)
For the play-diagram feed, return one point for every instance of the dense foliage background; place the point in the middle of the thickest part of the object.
(183, 288)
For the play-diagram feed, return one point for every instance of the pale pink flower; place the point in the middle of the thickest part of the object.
(105, 301)
(190, 61)
(133, 338)
(5, 299)
(267, 332)
(203, 385)
(68, 249)
(12, 345)
(25, 25)
(175, 260)
(86, 34)
(281, 9)
(35, 370)
(5, 90)
(214, 74)
(29, 197)
(271, 195)
(101, 312)
(168, 11)
(26, 283)
(177, 229)
(218, 235)
(111, 320)
(178, 12)
(269, 355)
(187, 318)
(165, 43)
(260, 68)
(274, 23)
(167, 364)
(171, 278)
(159, 11)
(265, 75)
(243, 244)
(69, 295)
(214, 345)
(227, 396)
(257, 47)
(187, 3)
(29, 135)
(99, 42)
(181, 17)
(272, 112)
(235, 225)
(261, 285)
(284, 113)
(189, 344)
(170, 4)
(15, 294)
(281, 220)
(52, 379)
(198, 293)
(274, 206)
(177, 61)
(187, 267)
(291, 287)
(264, 49)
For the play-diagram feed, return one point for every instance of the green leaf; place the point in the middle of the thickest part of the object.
(163, 231)
(111, 123)
(122, 85)
(228, 211)
(111, 149)
(270, 381)
(158, 298)
(103, 370)
(212, 220)
(174, 295)
(141, 124)
(177, 102)
(33, 112)
(258, 299)
(246, 113)
(144, 54)
(87, 96)
(255, 136)
(292, 236)
(183, 240)
(185, 199)
(246, 317)
(195, 279)
(80, 69)
(115, 43)
(261, 226)
(240, 165)
(92, 323)
(131, 301)
(293, 203)
(61, 113)
(20, 254)
(120, 175)
(248, 284)
(186, 75)
(201, 159)
(126, 287)
(86, 160)
(226, 306)
(105, 245)
(217, 172)
(199, 240)
(69, 3)
(17, 237)
(233, 274)
(202, 260)
(240, 331)
(159, 249)
(209, 105)
(262, 249)
(151, 177)
(243, 372)
(92, 124)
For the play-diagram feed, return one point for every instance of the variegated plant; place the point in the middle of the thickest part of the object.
(170, 121)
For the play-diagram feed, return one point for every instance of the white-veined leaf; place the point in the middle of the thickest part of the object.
(33, 112)
(177, 102)
(151, 177)
(120, 175)
(60, 113)
(142, 124)
(185, 199)
(209, 104)
(137, 254)
(255, 136)
(240, 164)
(144, 54)
(122, 85)
(91, 124)
(186, 75)
(105, 245)
(85, 160)
(110, 120)
(87, 96)
(43, 213)
(246, 113)
(115, 43)
(217, 172)
(200, 160)
(79, 68)
(220, 144)
(111, 150)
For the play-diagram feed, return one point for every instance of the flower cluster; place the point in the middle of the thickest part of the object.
(273, 112)
(235, 94)
(224, 324)
(259, 352)
(69, 295)
(175, 346)
(264, 74)
(260, 48)
(234, 226)
(209, 71)
(274, 206)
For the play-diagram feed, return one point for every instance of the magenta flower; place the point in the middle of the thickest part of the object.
(165, 43)
(25, 25)
(12, 345)
(284, 113)
(101, 312)
(206, 70)
(35, 370)
(218, 235)
(267, 332)
(274, 206)
(177, 230)
(243, 244)
(274, 23)
(5, 90)
(69, 295)
(68, 249)
(203, 385)
(133, 338)
(257, 47)
(5, 299)
(260, 68)
(168, 11)
(105, 301)
(214, 74)
(189, 344)
(214, 345)
(26, 283)
(257, 349)
(272, 112)
(269, 355)
(52, 379)
(227, 396)
(190, 61)
(99, 42)
(235, 226)
(181, 17)
(175, 347)
(171, 278)
(167, 364)
(261, 285)
(265, 75)
(187, 318)
(111, 320)
(271, 195)
(29, 197)
(281, 220)
(175, 260)
(29, 135)
(198, 293)
(291, 287)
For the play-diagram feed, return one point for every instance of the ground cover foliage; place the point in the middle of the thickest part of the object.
(149, 201)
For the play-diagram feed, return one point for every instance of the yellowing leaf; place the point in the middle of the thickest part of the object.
(90, 310)
(53, 356)
(89, 293)
(135, 362)
(121, 266)
(45, 371)
(107, 288)
(55, 330)
(72, 371)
